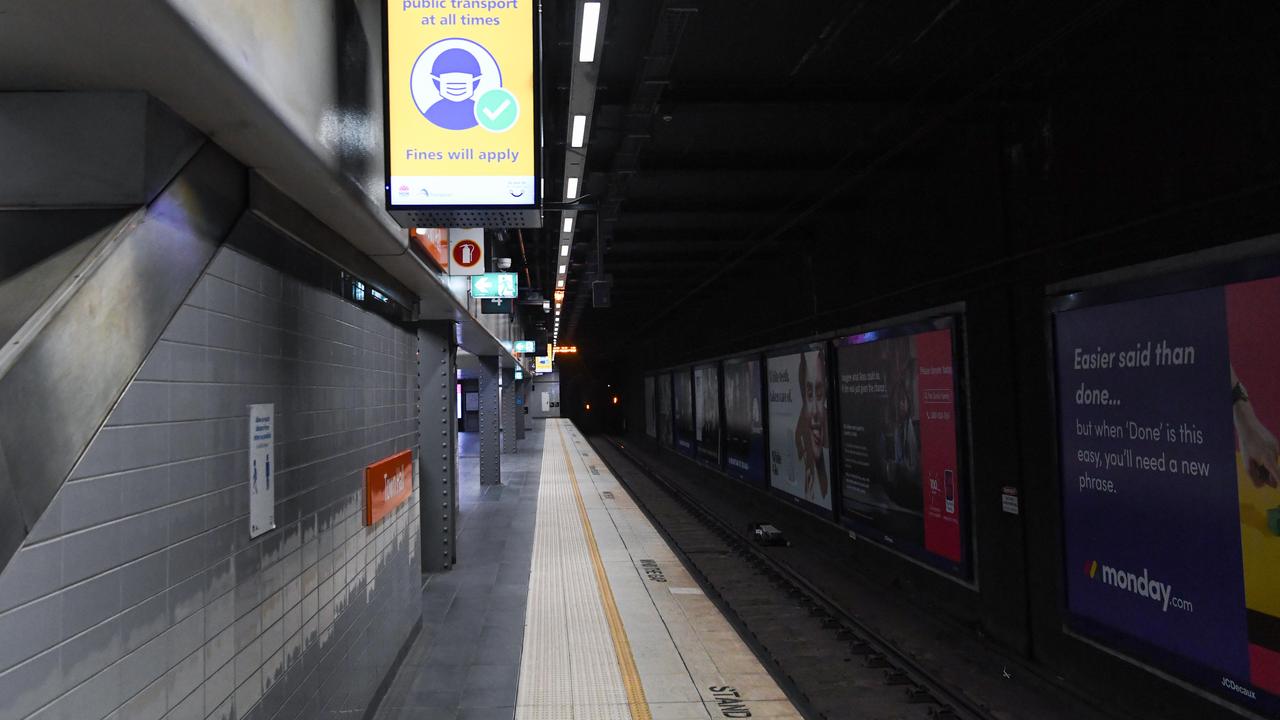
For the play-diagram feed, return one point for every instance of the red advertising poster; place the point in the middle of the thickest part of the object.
(936, 399)
(900, 473)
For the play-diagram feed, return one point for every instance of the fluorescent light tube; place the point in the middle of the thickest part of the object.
(590, 28)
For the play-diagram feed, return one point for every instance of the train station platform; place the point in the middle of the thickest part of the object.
(566, 602)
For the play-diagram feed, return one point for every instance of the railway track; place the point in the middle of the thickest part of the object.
(833, 666)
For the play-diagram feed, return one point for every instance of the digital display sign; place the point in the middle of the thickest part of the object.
(901, 480)
(462, 114)
(1168, 411)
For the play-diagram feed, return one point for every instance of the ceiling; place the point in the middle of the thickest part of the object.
(752, 164)
(723, 128)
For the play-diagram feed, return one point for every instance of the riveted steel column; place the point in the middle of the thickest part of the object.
(438, 443)
(508, 410)
(521, 400)
(490, 422)
(526, 387)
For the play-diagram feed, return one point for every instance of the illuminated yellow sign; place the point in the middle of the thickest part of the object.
(461, 115)
(542, 364)
(569, 349)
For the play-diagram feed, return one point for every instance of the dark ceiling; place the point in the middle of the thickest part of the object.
(764, 159)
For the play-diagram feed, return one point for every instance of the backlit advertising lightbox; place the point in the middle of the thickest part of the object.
(650, 421)
(462, 131)
(665, 436)
(706, 413)
(743, 420)
(799, 438)
(682, 389)
(1168, 411)
(901, 480)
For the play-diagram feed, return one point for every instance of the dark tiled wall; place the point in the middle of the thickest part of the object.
(139, 595)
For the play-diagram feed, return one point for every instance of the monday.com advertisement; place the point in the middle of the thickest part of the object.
(899, 470)
(1169, 408)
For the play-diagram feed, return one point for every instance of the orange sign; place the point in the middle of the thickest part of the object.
(435, 241)
(566, 349)
(387, 483)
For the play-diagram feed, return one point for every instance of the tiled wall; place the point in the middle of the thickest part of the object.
(139, 595)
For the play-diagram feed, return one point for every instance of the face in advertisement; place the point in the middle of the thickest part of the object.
(807, 400)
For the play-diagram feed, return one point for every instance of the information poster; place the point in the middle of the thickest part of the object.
(744, 420)
(706, 411)
(262, 491)
(799, 442)
(683, 403)
(1169, 408)
(664, 410)
(461, 115)
(899, 471)
(650, 422)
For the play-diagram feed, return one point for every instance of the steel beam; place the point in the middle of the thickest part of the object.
(438, 443)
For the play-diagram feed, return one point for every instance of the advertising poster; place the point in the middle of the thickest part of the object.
(664, 410)
(682, 387)
(461, 115)
(743, 420)
(650, 422)
(899, 469)
(262, 491)
(706, 412)
(799, 442)
(1168, 409)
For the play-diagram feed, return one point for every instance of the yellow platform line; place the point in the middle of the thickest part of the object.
(636, 701)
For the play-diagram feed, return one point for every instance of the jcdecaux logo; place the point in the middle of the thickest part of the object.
(1141, 585)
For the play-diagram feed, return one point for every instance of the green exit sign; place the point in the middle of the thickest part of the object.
(494, 285)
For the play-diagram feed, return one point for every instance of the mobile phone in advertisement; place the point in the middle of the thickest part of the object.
(949, 487)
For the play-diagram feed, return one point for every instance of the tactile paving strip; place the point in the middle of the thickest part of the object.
(569, 668)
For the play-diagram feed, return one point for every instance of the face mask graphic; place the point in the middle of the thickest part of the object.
(455, 86)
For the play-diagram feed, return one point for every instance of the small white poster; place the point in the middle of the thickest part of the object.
(262, 490)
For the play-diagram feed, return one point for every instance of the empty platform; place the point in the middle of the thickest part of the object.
(613, 625)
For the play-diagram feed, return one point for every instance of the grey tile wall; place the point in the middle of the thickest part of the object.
(139, 595)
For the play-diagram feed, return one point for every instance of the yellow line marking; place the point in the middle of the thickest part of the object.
(621, 644)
